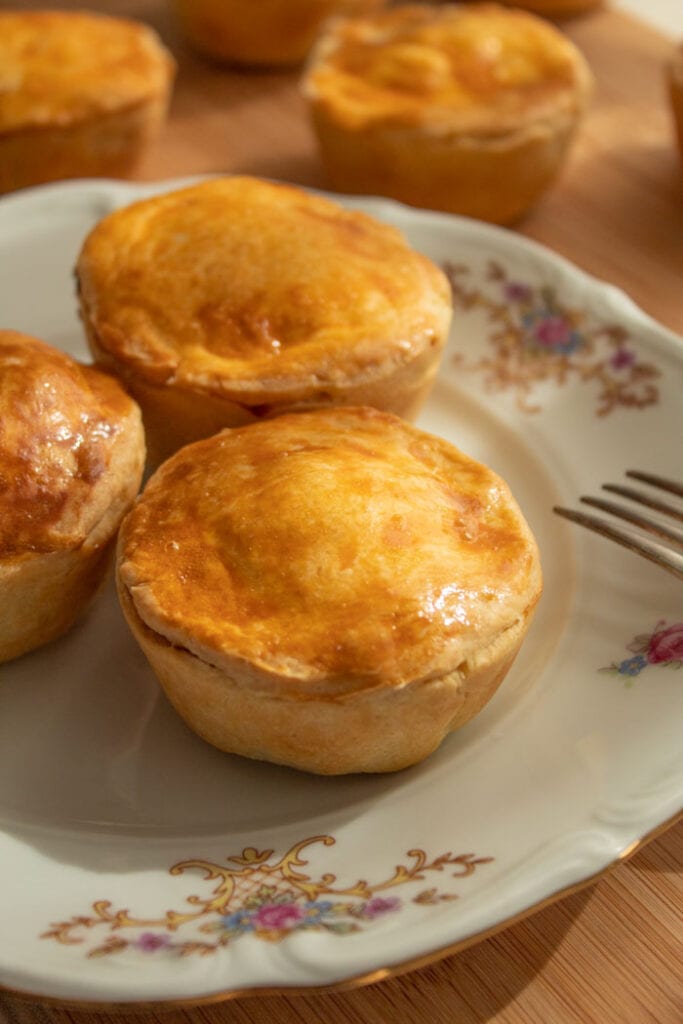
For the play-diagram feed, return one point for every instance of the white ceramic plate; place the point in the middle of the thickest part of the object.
(140, 864)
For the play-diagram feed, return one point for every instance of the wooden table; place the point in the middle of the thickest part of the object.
(610, 953)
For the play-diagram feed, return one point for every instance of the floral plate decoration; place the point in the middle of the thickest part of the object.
(141, 865)
(534, 336)
(256, 896)
(663, 646)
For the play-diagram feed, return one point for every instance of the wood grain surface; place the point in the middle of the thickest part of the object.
(610, 953)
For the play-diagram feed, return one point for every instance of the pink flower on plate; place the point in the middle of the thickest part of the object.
(666, 645)
(149, 942)
(517, 292)
(379, 905)
(623, 359)
(553, 332)
(278, 916)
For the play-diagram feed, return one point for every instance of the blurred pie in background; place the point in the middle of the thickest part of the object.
(81, 95)
(267, 32)
(465, 108)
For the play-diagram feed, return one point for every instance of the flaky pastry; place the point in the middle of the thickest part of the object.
(333, 590)
(237, 299)
(81, 95)
(464, 108)
(71, 458)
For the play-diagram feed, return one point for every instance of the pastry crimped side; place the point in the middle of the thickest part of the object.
(71, 461)
(81, 95)
(465, 108)
(333, 590)
(237, 299)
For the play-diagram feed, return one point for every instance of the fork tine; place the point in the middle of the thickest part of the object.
(645, 499)
(672, 486)
(621, 512)
(672, 561)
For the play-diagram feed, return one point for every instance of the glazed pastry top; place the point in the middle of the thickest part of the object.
(60, 425)
(338, 548)
(237, 286)
(475, 68)
(58, 67)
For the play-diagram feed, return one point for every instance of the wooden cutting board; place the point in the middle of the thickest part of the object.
(610, 953)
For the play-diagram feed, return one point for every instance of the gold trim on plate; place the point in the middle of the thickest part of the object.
(372, 977)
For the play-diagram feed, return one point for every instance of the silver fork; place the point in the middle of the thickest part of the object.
(665, 552)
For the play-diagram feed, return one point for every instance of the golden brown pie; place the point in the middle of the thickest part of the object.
(81, 95)
(333, 590)
(71, 458)
(237, 299)
(465, 108)
(266, 32)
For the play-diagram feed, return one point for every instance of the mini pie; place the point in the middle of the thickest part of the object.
(236, 299)
(81, 95)
(463, 108)
(268, 32)
(71, 459)
(333, 590)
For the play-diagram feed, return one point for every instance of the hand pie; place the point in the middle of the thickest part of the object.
(333, 590)
(236, 299)
(465, 108)
(81, 95)
(71, 458)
